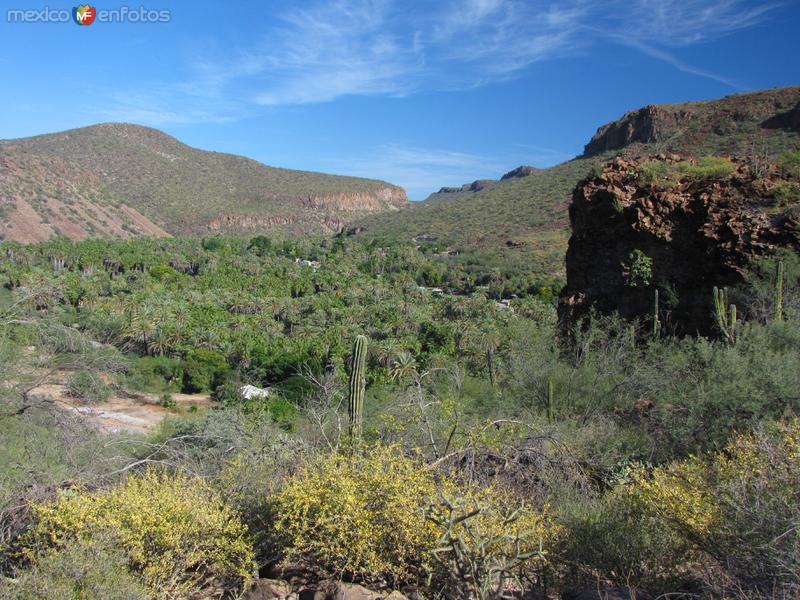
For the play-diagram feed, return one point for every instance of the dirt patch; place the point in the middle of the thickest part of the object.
(23, 224)
(129, 413)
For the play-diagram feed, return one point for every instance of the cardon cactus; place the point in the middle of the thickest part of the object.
(725, 313)
(779, 292)
(358, 383)
(656, 321)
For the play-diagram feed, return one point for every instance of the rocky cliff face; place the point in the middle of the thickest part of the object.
(691, 126)
(682, 236)
(521, 171)
(646, 125)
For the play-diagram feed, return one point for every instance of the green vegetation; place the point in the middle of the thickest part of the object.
(790, 160)
(88, 387)
(640, 269)
(787, 194)
(518, 226)
(659, 173)
(358, 382)
(725, 314)
(176, 186)
(176, 532)
(494, 451)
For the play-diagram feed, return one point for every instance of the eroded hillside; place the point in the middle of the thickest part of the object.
(122, 180)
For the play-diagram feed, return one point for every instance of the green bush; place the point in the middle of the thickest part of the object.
(739, 507)
(85, 569)
(613, 539)
(640, 269)
(88, 387)
(790, 160)
(663, 173)
(205, 371)
(156, 374)
(786, 194)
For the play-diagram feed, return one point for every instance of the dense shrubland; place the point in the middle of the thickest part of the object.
(496, 451)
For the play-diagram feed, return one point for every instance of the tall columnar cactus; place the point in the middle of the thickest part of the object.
(358, 383)
(725, 314)
(656, 322)
(779, 292)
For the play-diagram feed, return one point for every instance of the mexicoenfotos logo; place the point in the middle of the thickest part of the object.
(84, 15)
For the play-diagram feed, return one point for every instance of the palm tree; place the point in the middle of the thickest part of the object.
(388, 351)
(160, 342)
(489, 342)
(405, 365)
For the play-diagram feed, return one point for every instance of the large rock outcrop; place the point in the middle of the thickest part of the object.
(699, 231)
(698, 127)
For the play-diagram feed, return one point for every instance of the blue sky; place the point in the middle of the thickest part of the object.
(422, 94)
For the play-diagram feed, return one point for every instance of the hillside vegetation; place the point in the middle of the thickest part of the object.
(461, 448)
(181, 189)
(522, 222)
(404, 410)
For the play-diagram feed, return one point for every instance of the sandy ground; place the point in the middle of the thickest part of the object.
(122, 414)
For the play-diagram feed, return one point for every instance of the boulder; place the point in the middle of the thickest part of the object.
(606, 593)
(269, 589)
(338, 590)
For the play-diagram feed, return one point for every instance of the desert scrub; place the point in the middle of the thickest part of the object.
(176, 532)
(786, 194)
(88, 387)
(790, 161)
(487, 540)
(358, 516)
(738, 506)
(614, 538)
(639, 271)
(85, 569)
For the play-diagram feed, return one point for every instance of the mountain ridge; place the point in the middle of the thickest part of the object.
(171, 187)
(522, 223)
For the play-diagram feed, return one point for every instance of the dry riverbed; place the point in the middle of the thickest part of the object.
(127, 412)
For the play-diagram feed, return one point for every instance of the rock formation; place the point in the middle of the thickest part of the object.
(522, 171)
(688, 234)
(694, 125)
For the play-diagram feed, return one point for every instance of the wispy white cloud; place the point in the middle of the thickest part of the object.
(686, 22)
(319, 51)
(658, 27)
(677, 63)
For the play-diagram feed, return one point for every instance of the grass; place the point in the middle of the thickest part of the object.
(660, 173)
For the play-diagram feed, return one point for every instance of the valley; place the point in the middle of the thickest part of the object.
(233, 381)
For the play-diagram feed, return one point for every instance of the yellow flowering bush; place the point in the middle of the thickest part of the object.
(678, 494)
(360, 516)
(175, 531)
(738, 506)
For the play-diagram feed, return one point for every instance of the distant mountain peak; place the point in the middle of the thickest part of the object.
(521, 171)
